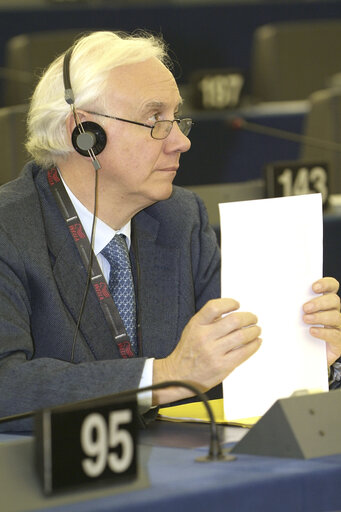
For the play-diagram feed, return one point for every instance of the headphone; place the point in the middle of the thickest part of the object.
(88, 138)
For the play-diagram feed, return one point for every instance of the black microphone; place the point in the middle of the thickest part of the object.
(215, 450)
(239, 123)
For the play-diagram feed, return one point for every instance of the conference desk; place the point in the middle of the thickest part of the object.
(175, 481)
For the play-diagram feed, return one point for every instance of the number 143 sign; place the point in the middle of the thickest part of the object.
(297, 178)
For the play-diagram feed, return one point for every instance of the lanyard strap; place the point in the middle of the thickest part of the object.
(98, 281)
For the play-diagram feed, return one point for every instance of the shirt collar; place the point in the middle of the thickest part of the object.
(103, 232)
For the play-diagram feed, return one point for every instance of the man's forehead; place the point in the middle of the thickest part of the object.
(148, 85)
(151, 67)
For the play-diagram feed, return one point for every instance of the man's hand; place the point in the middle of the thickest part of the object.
(324, 313)
(212, 344)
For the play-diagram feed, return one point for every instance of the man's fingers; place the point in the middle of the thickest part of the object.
(242, 353)
(233, 323)
(241, 337)
(326, 285)
(330, 318)
(214, 309)
(322, 302)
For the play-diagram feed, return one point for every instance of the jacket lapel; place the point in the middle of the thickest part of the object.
(158, 289)
(70, 278)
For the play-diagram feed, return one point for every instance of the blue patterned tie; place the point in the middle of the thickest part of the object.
(121, 284)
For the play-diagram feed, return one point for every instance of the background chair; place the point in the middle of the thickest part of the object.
(12, 135)
(323, 122)
(26, 56)
(291, 60)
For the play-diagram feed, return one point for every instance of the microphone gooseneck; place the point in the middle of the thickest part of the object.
(239, 123)
(215, 452)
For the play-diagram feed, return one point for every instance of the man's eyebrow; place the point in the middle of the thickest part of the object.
(159, 105)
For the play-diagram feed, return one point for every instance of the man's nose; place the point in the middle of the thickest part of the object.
(177, 140)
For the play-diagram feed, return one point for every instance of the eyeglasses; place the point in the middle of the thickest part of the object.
(161, 129)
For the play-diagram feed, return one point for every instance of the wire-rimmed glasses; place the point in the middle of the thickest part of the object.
(161, 129)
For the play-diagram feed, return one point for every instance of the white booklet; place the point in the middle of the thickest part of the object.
(272, 251)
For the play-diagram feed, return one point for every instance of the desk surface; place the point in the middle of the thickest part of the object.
(251, 483)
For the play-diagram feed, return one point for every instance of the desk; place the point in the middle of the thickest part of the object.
(250, 483)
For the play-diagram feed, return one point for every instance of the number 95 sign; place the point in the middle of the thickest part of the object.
(296, 178)
(86, 445)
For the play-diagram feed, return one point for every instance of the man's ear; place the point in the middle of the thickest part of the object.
(88, 138)
(71, 121)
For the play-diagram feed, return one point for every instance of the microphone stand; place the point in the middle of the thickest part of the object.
(215, 452)
(239, 123)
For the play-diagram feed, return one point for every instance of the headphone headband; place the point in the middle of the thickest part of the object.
(88, 139)
(68, 92)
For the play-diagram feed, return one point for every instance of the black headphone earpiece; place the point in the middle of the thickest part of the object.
(88, 138)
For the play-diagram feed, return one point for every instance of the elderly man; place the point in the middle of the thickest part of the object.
(109, 275)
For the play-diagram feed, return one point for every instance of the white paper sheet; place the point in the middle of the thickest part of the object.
(271, 254)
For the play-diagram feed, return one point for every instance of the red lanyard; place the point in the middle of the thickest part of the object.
(98, 281)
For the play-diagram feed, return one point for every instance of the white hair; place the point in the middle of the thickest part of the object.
(93, 57)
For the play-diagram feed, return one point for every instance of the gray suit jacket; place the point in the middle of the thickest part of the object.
(42, 281)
